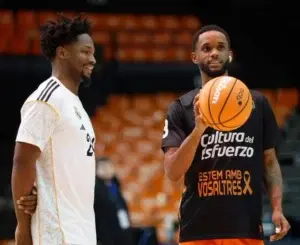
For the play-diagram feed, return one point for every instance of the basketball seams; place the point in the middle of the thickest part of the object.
(226, 100)
(248, 99)
(213, 113)
(209, 108)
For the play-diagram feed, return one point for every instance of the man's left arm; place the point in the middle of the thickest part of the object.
(273, 179)
(274, 186)
(272, 172)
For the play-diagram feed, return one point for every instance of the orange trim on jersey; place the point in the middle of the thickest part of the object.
(225, 242)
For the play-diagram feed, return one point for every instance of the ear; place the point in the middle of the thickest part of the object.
(230, 56)
(62, 52)
(194, 58)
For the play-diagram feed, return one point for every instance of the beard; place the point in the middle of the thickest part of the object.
(86, 81)
(205, 69)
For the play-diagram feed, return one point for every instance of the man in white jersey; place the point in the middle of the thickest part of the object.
(55, 144)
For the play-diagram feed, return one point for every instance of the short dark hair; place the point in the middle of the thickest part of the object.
(63, 31)
(207, 28)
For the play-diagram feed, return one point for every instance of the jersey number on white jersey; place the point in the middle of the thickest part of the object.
(90, 140)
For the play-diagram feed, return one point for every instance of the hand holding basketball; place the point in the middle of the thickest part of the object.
(199, 122)
(225, 103)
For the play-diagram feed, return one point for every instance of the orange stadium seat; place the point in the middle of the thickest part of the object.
(191, 23)
(157, 55)
(97, 21)
(119, 103)
(133, 38)
(149, 22)
(286, 101)
(102, 37)
(143, 103)
(19, 45)
(43, 17)
(183, 38)
(6, 28)
(283, 102)
(135, 148)
(130, 22)
(70, 14)
(169, 22)
(179, 54)
(6, 22)
(35, 46)
(26, 23)
(288, 97)
(130, 54)
(142, 38)
(163, 100)
(137, 38)
(124, 38)
(4, 41)
(105, 22)
(110, 22)
(162, 38)
(132, 117)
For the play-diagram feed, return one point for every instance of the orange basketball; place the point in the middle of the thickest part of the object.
(225, 103)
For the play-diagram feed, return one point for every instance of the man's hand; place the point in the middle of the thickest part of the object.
(23, 236)
(28, 203)
(282, 226)
(200, 124)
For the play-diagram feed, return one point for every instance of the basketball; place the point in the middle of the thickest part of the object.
(225, 103)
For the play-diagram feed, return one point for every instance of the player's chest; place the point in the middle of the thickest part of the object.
(76, 123)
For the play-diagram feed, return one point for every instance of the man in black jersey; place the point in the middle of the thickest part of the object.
(224, 172)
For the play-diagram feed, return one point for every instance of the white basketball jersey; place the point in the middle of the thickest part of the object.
(54, 119)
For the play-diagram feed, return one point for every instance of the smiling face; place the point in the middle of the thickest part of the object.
(212, 53)
(79, 57)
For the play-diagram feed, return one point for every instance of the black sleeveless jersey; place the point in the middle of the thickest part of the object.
(224, 184)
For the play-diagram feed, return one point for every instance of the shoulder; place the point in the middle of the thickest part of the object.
(187, 99)
(48, 93)
(258, 98)
(182, 104)
(184, 101)
(257, 95)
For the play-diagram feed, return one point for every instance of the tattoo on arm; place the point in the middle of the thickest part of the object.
(273, 174)
(273, 178)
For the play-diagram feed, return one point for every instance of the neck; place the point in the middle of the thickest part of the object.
(205, 78)
(68, 81)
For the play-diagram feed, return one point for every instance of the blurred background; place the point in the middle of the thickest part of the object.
(143, 54)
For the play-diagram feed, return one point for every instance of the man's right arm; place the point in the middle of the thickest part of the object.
(23, 178)
(180, 148)
(179, 159)
(38, 121)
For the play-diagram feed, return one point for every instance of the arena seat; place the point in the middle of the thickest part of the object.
(125, 37)
(190, 23)
(283, 102)
(6, 29)
(35, 47)
(19, 46)
(26, 23)
(45, 16)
